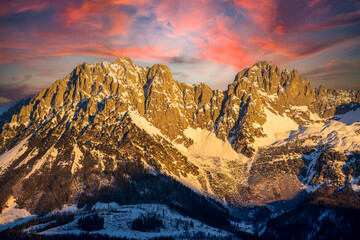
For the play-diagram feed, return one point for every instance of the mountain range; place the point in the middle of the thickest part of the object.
(269, 152)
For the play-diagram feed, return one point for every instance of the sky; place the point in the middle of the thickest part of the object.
(200, 40)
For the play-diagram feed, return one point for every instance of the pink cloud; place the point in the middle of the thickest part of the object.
(330, 63)
(186, 16)
(261, 12)
(221, 45)
(196, 29)
(20, 6)
(91, 14)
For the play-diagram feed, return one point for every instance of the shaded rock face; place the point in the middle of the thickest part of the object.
(86, 131)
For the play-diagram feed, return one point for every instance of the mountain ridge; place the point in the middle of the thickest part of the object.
(103, 116)
(269, 81)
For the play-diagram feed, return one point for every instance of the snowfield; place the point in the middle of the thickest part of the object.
(118, 219)
(11, 213)
(276, 128)
(9, 156)
(340, 132)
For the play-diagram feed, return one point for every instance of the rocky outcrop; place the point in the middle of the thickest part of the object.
(88, 126)
(99, 90)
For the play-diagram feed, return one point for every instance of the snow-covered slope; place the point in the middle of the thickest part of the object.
(276, 128)
(14, 153)
(207, 145)
(11, 213)
(341, 132)
(118, 219)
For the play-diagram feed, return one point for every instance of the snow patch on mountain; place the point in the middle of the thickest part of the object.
(11, 213)
(355, 184)
(77, 157)
(144, 124)
(341, 136)
(49, 156)
(9, 156)
(277, 127)
(210, 154)
(207, 145)
(69, 208)
(349, 118)
(341, 132)
(32, 154)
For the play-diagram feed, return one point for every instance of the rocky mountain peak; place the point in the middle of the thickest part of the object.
(160, 73)
(91, 128)
(268, 77)
(123, 60)
(264, 65)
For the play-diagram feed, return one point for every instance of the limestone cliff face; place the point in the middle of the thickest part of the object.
(103, 90)
(327, 100)
(89, 125)
(284, 93)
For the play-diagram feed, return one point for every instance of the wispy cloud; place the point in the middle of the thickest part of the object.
(233, 33)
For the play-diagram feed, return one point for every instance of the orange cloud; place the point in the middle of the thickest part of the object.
(235, 33)
(98, 16)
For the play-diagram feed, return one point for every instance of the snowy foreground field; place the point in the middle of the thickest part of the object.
(118, 222)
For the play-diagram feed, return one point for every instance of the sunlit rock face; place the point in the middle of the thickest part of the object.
(269, 136)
